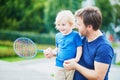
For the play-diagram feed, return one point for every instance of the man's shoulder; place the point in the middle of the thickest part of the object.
(104, 41)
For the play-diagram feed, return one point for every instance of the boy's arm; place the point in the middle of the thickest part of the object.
(54, 51)
(78, 54)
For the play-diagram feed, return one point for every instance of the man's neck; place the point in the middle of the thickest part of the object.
(94, 35)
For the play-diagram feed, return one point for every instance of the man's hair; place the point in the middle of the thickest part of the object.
(91, 16)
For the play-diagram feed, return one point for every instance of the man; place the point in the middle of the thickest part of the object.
(97, 54)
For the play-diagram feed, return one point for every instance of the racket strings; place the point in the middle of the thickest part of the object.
(25, 48)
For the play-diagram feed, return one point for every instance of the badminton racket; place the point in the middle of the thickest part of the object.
(25, 47)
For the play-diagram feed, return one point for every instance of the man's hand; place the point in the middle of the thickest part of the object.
(69, 64)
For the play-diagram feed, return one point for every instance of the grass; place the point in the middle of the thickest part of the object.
(3, 47)
(114, 44)
(118, 63)
(11, 59)
(16, 58)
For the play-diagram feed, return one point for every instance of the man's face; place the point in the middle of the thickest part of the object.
(80, 26)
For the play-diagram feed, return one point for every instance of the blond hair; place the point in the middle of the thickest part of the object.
(65, 15)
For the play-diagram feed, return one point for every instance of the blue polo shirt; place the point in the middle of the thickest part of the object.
(98, 50)
(67, 46)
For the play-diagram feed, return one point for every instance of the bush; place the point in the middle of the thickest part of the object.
(8, 52)
(6, 49)
(36, 37)
(6, 43)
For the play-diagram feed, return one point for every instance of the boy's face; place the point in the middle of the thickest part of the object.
(64, 27)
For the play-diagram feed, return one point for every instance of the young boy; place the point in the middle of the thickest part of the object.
(68, 45)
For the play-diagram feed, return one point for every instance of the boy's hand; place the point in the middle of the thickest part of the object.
(48, 53)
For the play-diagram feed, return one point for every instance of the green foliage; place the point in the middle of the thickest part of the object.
(39, 15)
(115, 45)
(118, 63)
(22, 15)
(7, 52)
(6, 49)
(37, 38)
(52, 7)
(106, 13)
(116, 14)
(6, 43)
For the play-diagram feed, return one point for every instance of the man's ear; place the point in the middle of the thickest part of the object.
(89, 27)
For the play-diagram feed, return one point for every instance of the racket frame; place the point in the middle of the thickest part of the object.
(29, 57)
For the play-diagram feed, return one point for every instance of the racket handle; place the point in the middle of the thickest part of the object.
(40, 50)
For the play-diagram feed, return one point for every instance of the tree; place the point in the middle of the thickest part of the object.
(106, 13)
(116, 14)
(54, 6)
(116, 18)
(22, 15)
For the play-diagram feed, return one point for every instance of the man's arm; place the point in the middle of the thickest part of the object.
(97, 74)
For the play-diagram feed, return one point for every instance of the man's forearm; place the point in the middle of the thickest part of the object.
(88, 73)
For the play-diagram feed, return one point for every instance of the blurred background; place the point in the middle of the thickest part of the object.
(35, 19)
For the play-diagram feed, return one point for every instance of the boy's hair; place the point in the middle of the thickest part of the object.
(91, 16)
(65, 15)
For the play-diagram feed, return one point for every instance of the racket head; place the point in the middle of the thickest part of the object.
(25, 47)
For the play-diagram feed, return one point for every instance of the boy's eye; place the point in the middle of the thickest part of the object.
(58, 24)
(63, 24)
